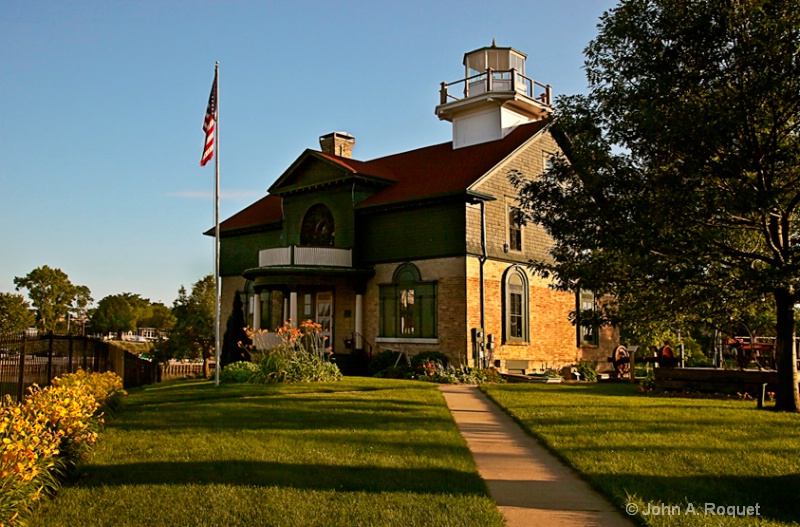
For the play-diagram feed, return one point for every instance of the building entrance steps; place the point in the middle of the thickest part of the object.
(530, 486)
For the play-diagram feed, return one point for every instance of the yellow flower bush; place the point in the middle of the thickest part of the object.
(106, 388)
(49, 430)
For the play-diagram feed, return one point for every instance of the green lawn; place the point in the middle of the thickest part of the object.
(652, 451)
(361, 452)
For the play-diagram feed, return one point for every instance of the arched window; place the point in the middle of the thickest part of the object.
(408, 305)
(515, 305)
(317, 229)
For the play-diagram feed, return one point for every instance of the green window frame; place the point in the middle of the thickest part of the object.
(407, 305)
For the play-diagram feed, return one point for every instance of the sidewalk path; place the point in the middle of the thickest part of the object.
(530, 486)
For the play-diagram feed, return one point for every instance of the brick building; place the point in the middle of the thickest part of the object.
(421, 250)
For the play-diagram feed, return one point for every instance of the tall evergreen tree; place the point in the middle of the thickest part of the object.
(235, 336)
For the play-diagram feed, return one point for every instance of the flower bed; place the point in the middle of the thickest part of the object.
(45, 434)
(300, 355)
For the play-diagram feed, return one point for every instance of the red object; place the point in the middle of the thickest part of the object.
(209, 124)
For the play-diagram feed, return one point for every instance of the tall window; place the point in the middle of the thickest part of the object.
(515, 305)
(408, 305)
(547, 160)
(588, 305)
(317, 229)
(514, 229)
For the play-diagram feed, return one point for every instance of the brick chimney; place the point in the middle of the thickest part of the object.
(338, 143)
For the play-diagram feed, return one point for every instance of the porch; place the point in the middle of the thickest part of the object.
(297, 283)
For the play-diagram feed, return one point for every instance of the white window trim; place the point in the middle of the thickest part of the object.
(512, 203)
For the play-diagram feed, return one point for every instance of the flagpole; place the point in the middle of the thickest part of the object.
(217, 346)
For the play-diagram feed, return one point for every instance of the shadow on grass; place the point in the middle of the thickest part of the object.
(172, 392)
(777, 497)
(298, 476)
(287, 413)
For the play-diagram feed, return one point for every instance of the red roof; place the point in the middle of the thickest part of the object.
(439, 169)
(427, 172)
(268, 209)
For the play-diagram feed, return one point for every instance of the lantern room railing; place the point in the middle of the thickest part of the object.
(496, 81)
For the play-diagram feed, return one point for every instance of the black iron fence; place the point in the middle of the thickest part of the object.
(26, 360)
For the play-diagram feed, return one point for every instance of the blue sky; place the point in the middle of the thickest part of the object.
(104, 102)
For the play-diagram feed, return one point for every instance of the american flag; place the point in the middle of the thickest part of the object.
(209, 124)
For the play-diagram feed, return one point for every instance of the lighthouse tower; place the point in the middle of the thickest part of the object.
(494, 97)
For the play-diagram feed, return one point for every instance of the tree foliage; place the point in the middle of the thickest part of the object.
(129, 311)
(193, 334)
(681, 185)
(52, 294)
(158, 316)
(118, 313)
(15, 313)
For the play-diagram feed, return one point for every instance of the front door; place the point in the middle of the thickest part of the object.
(325, 318)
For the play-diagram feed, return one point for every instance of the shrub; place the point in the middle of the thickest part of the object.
(696, 358)
(429, 356)
(28, 466)
(106, 388)
(298, 358)
(587, 370)
(238, 372)
(387, 359)
(488, 376)
(45, 434)
(649, 381)
(294, 365)
(437, 372)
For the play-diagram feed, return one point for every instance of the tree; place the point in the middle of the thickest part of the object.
(15, 313)
(129, 311)
(235, 336)
(52, 295)
(194, 333)
(681, 183)
(80, 305)
(116, 314)
(158, 316)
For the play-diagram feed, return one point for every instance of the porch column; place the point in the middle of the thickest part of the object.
(257, 311)
(293, 308)
(359, 320)
(285, 313)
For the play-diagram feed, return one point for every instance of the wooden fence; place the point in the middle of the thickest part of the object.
(25, 361)
(182, 370)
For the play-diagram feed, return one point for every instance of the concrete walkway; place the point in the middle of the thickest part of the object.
(530, 486)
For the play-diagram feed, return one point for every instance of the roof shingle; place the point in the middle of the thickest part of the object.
(418, 174)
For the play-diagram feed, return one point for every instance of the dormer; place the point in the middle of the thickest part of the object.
(494, 97)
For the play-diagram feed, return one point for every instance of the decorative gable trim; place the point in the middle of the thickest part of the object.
(291, 182)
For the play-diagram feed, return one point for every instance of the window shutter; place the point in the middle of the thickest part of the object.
(388, 310)
(427, 310)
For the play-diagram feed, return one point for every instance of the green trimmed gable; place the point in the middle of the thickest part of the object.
(307, 173)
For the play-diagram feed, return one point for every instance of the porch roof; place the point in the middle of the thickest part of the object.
(290, 275)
